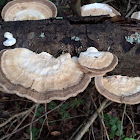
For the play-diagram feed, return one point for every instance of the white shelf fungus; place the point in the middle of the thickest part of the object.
(121, 89)
(41, 77)
(96, 62)
(28, 10)
(10, 39)
(97, 9)
(136, 15)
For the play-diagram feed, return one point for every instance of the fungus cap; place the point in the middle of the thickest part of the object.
(97, 9)
(97, 62)
(28, 10)
(41, 77)
(121, 89)
(10, 39)
(136, 15)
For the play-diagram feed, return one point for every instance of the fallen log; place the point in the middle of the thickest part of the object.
(73, 35)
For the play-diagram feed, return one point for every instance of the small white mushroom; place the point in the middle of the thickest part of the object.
(10, 39)
(8, 35)
(97, 62)
(97, 9)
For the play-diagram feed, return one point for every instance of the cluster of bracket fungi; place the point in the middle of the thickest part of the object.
(44, 9)
(43, 78)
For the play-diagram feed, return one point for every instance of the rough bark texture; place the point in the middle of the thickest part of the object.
(55, 37)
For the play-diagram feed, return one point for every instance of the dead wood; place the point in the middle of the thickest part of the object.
(55, 37)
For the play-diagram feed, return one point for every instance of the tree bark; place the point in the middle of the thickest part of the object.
(57, 36)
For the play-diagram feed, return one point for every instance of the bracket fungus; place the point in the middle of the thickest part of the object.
(28, 10)
(121, 89)
(96, 62)
(136, 15)
(97, 9)
(41, 77)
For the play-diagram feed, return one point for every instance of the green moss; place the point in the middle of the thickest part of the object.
(75, 38)
(59, 17)
(133, 38)
(42, 35)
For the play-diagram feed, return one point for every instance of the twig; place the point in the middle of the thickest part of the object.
(100, 117)
(104, 127)
(108, 104)
(21, 122)
(67, 118)
(128, 6)
(122, 121)
(31, 122)
(132, 122)
(131, 11)
(90, 121)
(93, 133)
(46, 117)
(133, 128)
(16, 115)
(31, 134)
(76, 132)
(11, 124)
(41, 128)
(108, 1)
